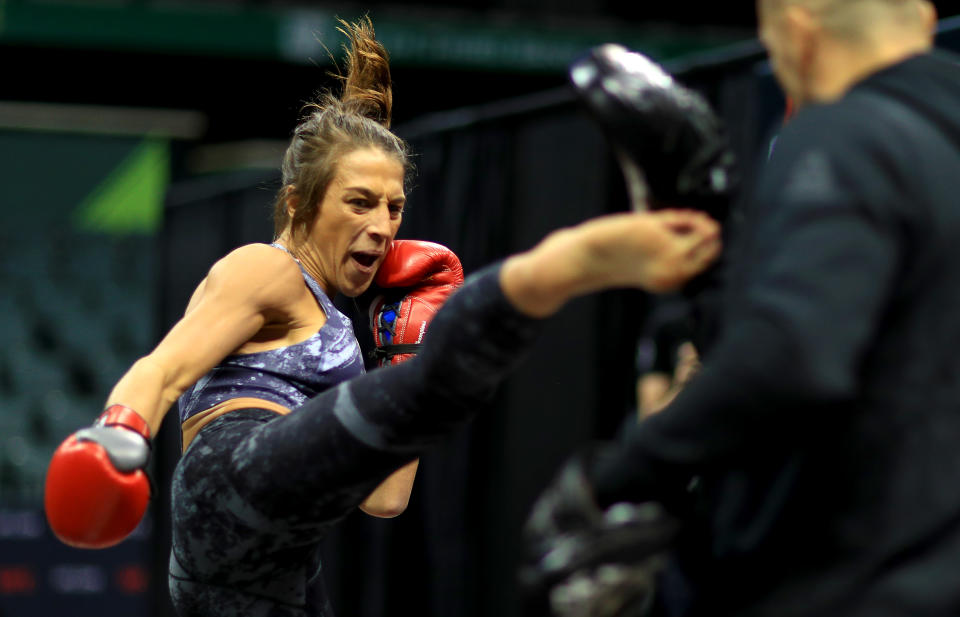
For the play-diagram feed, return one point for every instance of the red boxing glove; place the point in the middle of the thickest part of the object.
(418, 278)
(96, 490)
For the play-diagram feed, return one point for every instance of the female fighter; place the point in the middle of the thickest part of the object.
(284, 434)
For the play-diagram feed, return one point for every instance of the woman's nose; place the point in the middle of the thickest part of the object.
(379, 221)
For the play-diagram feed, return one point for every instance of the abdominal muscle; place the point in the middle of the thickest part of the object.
(192, 426)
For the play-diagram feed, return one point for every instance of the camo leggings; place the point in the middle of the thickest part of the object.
(256, 492)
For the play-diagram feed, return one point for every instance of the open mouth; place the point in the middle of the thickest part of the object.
(365, 259)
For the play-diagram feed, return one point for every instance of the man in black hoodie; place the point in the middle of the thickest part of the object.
(824, 426)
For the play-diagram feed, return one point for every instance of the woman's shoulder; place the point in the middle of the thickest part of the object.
(260, 257)
(259, 267)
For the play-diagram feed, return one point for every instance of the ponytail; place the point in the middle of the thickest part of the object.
(335, 126)
(367, 86)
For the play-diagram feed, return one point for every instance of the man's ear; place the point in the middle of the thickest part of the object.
(800, 25)
(928, 13)
(802, 29)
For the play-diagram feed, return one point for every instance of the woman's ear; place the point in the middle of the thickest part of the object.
(291, 200)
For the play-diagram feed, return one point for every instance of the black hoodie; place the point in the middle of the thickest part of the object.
(824, 426)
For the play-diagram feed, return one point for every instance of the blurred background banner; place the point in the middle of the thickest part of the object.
(140, 141)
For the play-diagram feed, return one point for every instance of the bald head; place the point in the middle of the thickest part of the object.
(819, 48)
(859, 20)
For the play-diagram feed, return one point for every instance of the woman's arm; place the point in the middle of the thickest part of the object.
(240, 294)
(391, 497)
(657, 390)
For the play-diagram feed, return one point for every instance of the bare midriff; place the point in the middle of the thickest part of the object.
(192, 426)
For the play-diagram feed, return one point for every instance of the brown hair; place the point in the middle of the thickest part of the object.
(335, 126)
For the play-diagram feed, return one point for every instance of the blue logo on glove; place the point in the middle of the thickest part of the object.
(387, 322)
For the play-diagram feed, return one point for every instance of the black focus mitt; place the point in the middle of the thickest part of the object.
(669, 142)
(582, 561)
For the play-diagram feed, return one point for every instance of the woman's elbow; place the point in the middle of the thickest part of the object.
(385, 508)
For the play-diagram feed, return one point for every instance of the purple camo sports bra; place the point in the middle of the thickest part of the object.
(287, 375)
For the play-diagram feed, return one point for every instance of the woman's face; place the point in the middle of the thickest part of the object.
(357, 220)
